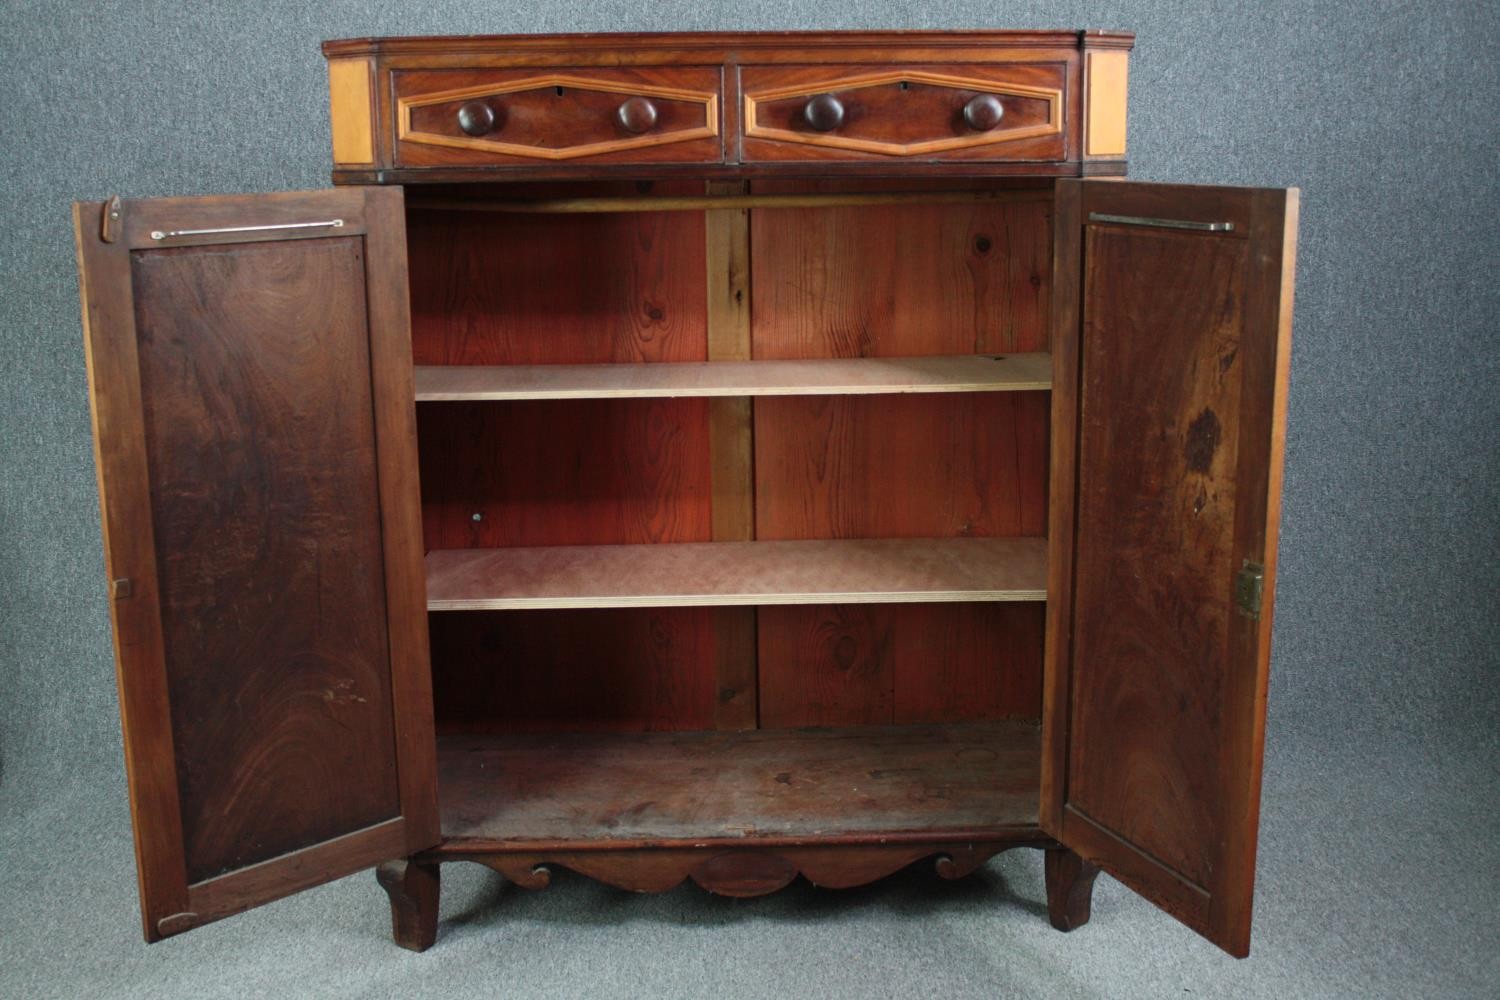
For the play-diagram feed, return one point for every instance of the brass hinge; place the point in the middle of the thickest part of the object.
(1249, 589)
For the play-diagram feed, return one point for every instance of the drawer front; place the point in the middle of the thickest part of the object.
(546, 115)
(983, 112)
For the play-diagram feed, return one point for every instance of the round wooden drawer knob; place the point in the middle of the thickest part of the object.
(476, 118)
(824, 112)
(636, 114)
(983, 112)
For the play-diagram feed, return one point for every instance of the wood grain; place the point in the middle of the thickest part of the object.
(557, 115)
(775, 785)
(588, 472)
(903, 111)
(964, 193)
(400, 512)
(609, 288)
(251, 392)
(1070, 889)
(847, 665)
(1275, 215)
(959, 465)
(350, 110)
(741, 871)
(286, 712)
(879, 283)
(918, 128)
(413, 889)
(636, 670)
(901, 281)
(1063, 494)
(1106, 81)
(1156, 514)
(761, 47)
(731, 430)
(814, 377)
(737, 573)
(1167, 679)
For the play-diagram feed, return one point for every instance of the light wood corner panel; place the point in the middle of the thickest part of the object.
(351, 110)
(1106, 89)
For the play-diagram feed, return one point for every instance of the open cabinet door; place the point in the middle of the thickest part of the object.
(1173, 316)
(249, 365)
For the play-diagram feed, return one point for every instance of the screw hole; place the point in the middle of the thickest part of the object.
(904, 85)
(559, 91)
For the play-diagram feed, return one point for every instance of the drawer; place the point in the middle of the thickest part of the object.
(486, 117)
(990, 111)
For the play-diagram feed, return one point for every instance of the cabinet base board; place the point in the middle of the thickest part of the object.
(743, 870)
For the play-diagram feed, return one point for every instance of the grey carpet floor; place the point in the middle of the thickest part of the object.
(1379, 877)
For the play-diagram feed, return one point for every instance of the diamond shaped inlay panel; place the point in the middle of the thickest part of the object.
(909, 112)
(560, 115)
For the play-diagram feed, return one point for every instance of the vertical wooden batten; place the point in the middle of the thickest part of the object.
(731, 451)
(350, 109)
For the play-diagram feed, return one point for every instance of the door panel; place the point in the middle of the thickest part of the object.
(255, 437)
(1176, 385)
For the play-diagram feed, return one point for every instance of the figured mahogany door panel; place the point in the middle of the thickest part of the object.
(249, 363)
(993, 111)
(494, 117)
(1176, 346)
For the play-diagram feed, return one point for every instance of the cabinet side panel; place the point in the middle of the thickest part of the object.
(259, 431)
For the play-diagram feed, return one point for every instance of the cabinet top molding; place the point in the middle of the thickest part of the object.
(725, 43)
(728, 106)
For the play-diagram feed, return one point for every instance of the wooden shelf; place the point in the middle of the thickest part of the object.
(881, 571)
(818, 377)
(795, 785)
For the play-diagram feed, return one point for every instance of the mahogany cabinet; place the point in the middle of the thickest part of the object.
(725, 457)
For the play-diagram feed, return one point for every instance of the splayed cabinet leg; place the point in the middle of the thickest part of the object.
(1070, 889)
(414, 889)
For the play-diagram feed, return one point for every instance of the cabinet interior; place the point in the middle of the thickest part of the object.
(852, 545)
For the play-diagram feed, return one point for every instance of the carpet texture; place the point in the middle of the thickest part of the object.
(1379, 872)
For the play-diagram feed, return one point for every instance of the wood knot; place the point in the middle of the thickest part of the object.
(1202, 441)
